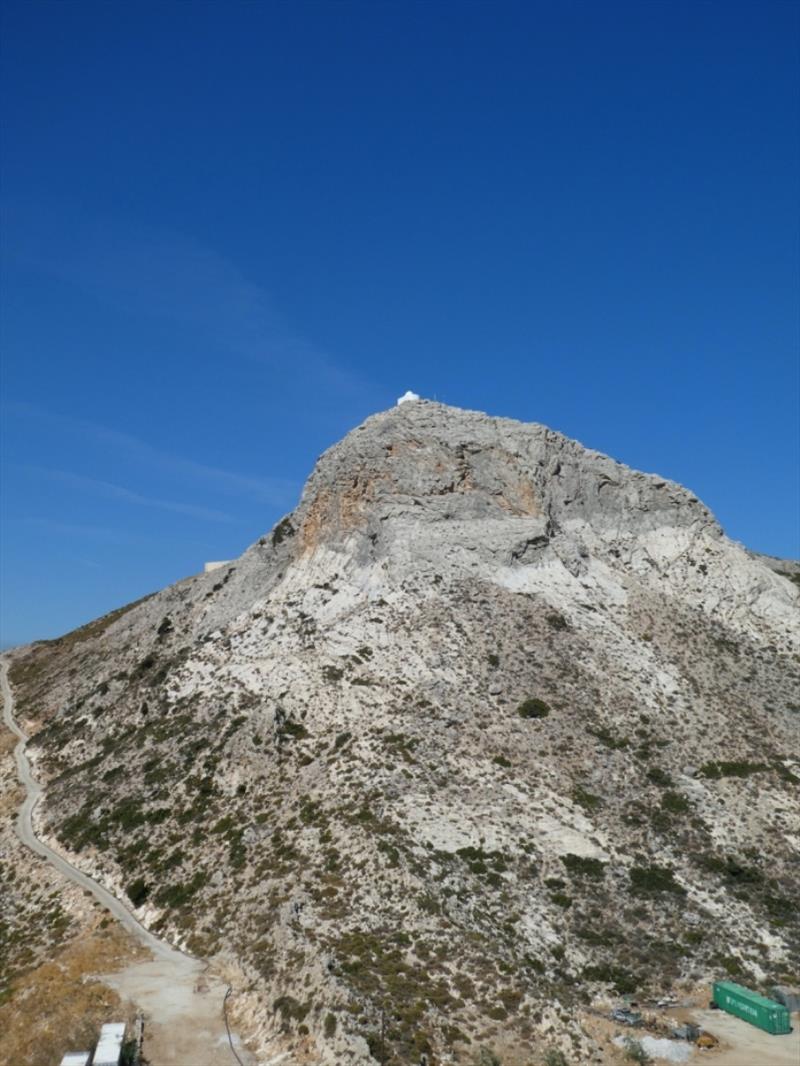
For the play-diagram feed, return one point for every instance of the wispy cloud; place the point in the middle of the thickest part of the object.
(160, 274)
(110, 491)
(275, 491)
(83, 531)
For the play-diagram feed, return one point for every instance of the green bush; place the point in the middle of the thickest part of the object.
(289, 730)
(137, 891)
(584, 867)
(585, 799)
(179, 895)
(283, 530)
(533, 708)
(674, 802)
(659, 777)
(716, 770)
(646, 879)
(290, 1009)
(609, 739)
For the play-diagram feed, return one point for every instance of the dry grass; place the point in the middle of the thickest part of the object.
(58, 1007)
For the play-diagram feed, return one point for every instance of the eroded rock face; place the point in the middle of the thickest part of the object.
(427, 746)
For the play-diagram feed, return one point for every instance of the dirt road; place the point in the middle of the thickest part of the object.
(182, 1004)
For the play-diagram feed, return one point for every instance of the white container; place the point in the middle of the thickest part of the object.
(109, 1046)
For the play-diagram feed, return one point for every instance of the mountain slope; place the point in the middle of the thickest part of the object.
(488, 724)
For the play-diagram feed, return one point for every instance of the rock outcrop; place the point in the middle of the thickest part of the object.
(488, 725)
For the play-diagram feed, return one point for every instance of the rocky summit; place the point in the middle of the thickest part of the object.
(488, 728)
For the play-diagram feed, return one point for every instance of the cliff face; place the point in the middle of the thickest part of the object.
(489, 724)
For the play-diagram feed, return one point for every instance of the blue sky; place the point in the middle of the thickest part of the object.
(231, 231)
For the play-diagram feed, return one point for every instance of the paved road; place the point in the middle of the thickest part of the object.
(28, 837)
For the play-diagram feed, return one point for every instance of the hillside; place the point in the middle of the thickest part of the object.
(488, 726)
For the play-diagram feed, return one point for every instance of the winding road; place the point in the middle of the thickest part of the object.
(26, 834)
(173, 988)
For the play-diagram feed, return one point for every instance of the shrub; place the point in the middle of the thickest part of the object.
(659, 777)
(137, 891)
(609, 739)
(283, 530)
(486, 1057)
(289, 730)
(646, 879)
(533, 708)
(585, 799)
(179, 895)
(583, 866)
(674, 802)
(623, 981)
(732, 869)
(330, 1025)
(716, 770)
(554, 1057)
(290, 1008)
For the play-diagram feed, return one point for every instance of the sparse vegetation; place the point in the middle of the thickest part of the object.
(623, 981)
(586, 799)
(555, 1057)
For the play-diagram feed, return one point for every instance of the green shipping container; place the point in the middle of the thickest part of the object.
(764, 1013)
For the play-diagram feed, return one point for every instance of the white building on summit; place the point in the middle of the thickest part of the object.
(409, 395)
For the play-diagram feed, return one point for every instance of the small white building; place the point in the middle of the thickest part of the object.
(109, 1046)
(76, 1058)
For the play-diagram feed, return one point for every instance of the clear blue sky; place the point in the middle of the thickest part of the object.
(234, 230)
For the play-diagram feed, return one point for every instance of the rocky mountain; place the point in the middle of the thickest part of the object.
(489, 726)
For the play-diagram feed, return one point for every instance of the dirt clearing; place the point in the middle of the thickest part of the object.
(182, 1007)
(741, 1044)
